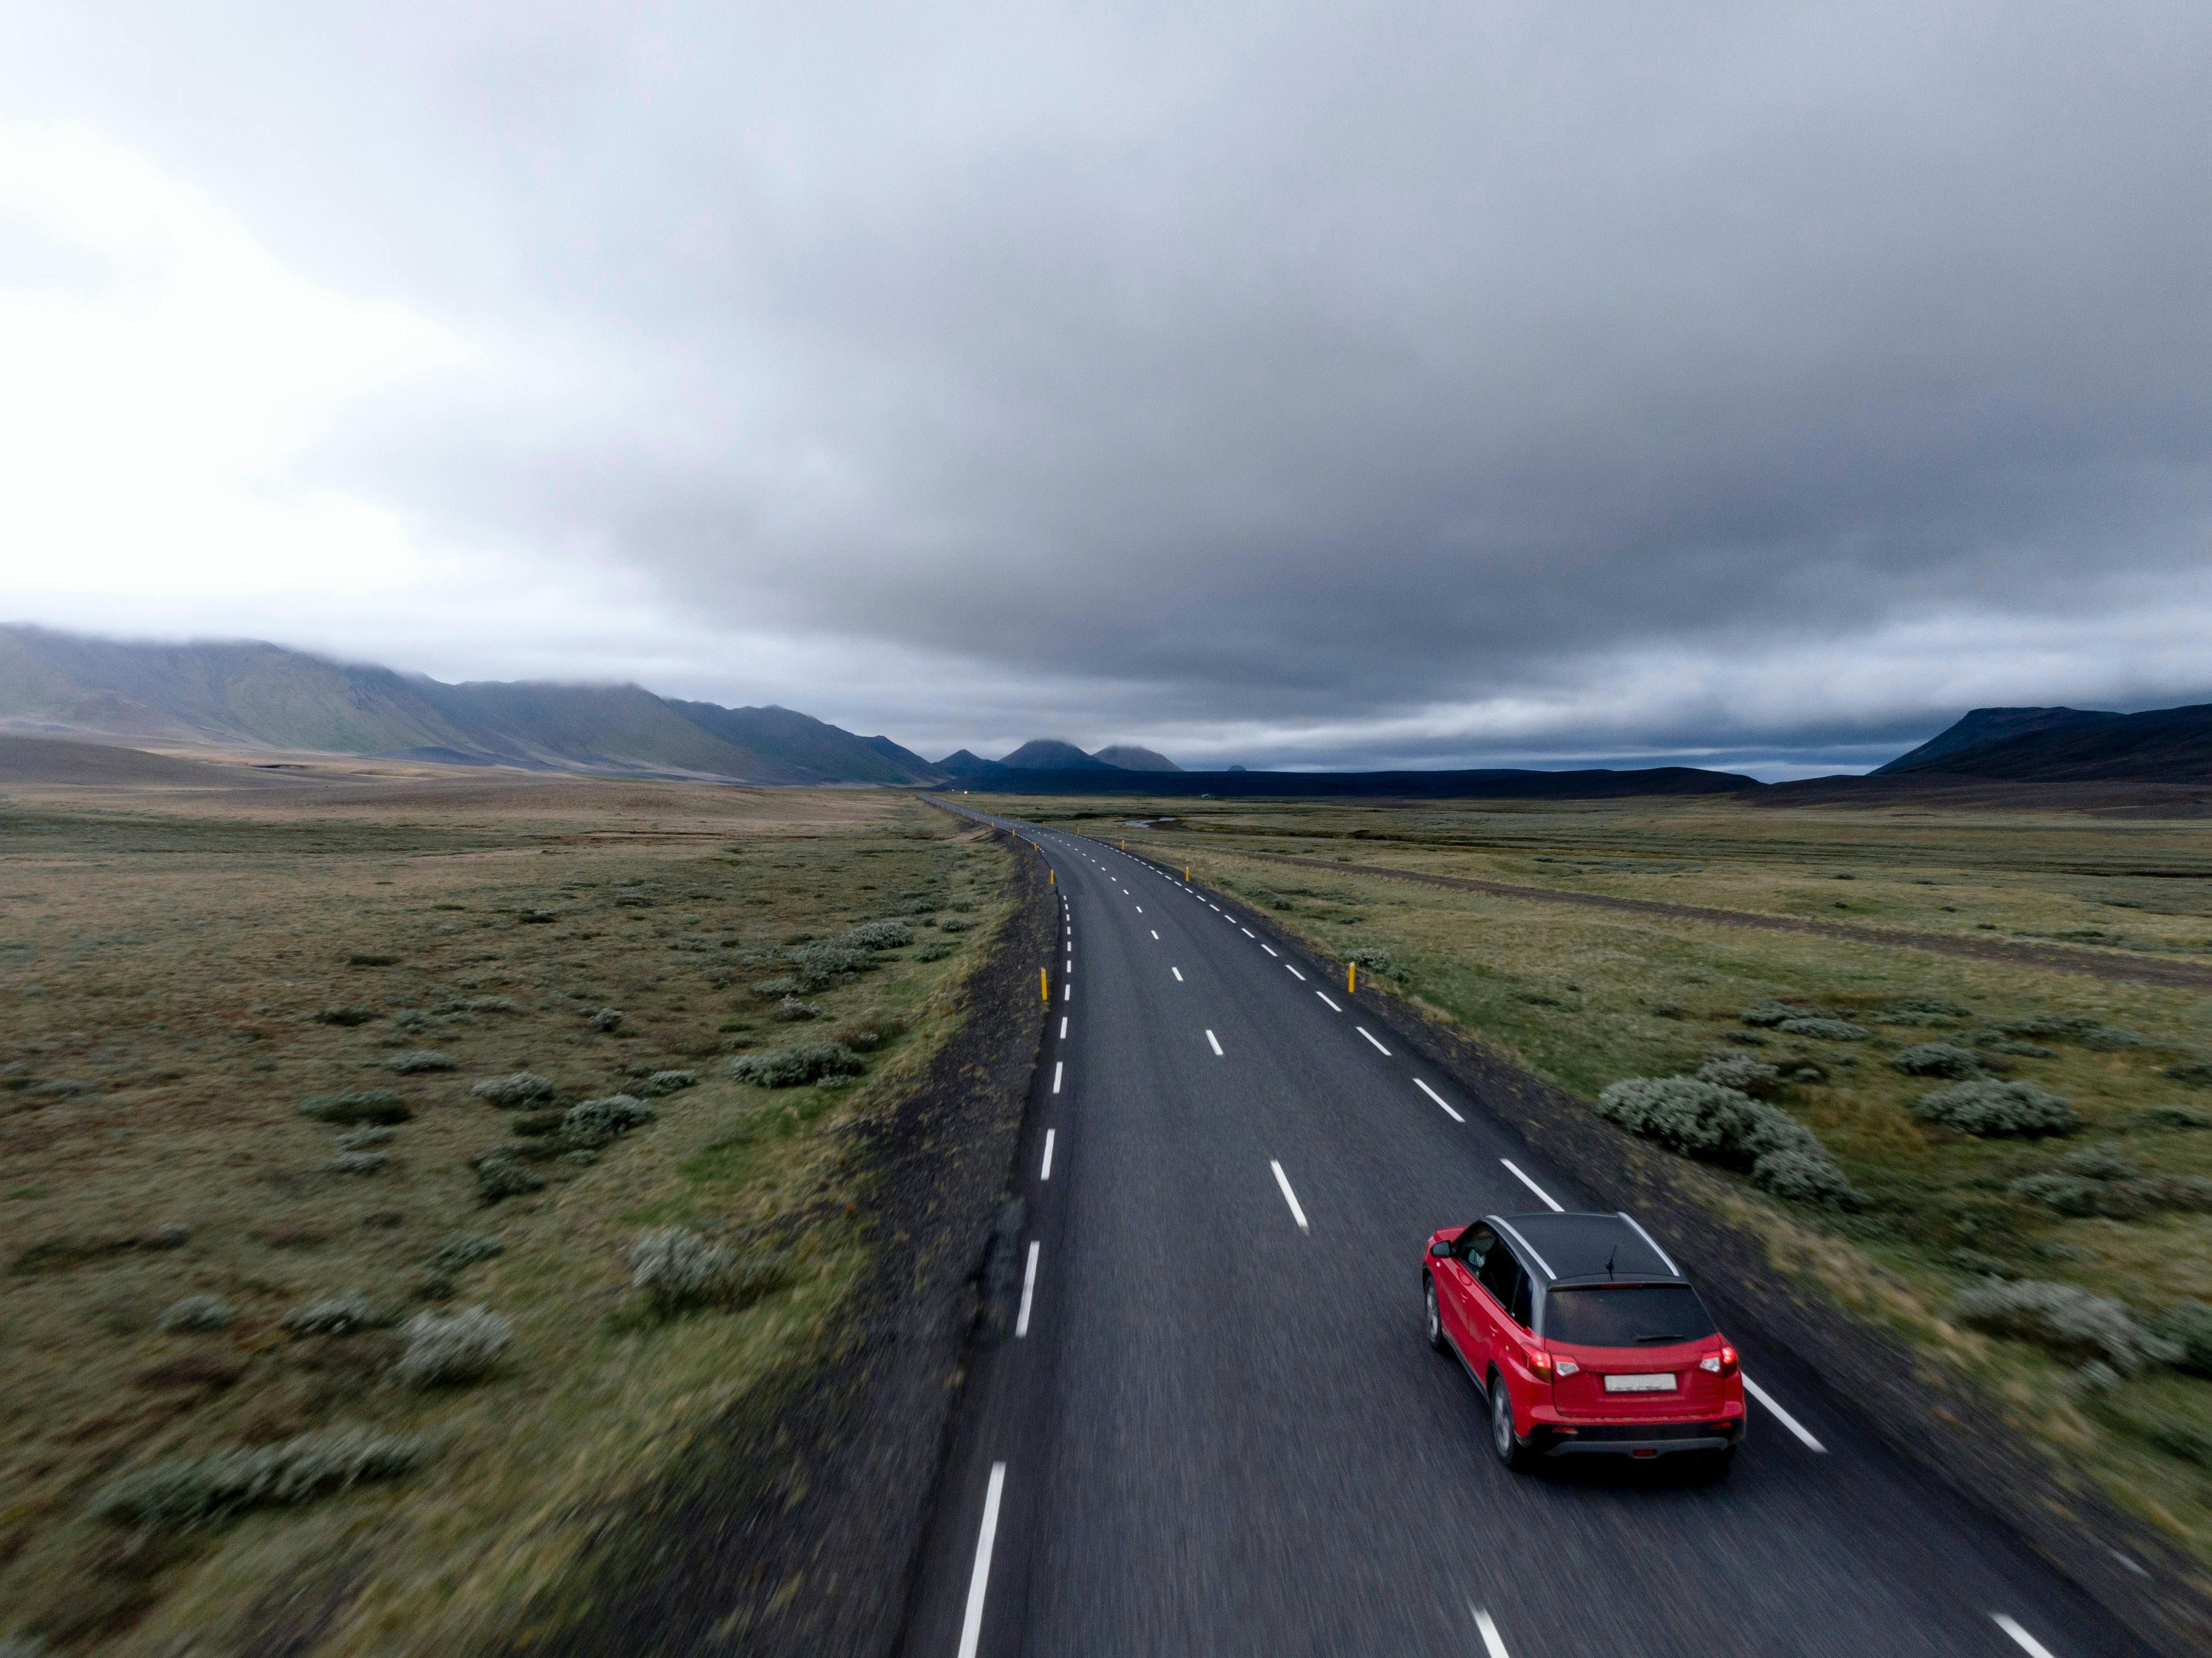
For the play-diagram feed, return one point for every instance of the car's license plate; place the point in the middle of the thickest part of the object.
(1640, 1384)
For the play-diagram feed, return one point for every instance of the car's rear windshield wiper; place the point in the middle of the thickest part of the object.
(1642, 1340)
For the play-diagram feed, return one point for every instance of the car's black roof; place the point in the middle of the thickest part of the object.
(1566, 1248)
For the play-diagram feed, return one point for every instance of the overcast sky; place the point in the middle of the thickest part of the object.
(1392, 385)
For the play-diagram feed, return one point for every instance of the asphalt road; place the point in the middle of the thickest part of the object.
(1213, 1425)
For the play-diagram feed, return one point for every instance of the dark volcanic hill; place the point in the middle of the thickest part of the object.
(2062, 745)
(1130, 757)
(264, 695)
(1498, 784)
(1050, 754)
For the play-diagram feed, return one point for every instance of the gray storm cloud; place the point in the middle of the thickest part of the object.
(1383, 383)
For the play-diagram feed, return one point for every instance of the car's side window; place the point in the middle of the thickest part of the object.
(1500, 1273)
(1523, 1302)
(1476, 1245)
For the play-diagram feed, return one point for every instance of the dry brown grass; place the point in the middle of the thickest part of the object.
(175, 946)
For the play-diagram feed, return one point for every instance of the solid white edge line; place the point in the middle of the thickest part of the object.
(1783, 1416)
(1550, 1202)
(1058, 1065)
(1289, 1196)
(1332, 1007)
(1440, 1099)
(1215, 1040)
(1045, 1172)
(1178, 973)
(1493, 1644)
(2027, 1643)
(1029, 1289)
(1294, 972)
(979, 1581)
(1370, 1034)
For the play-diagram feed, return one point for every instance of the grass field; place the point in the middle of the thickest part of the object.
(2118, 1208)
(190, 966)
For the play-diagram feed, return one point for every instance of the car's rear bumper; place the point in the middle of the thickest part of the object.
(1638, 1439)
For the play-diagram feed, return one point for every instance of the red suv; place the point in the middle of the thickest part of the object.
(1584, 1337)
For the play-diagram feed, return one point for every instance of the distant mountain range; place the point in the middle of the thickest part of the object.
(1050, 754)
(2068, 745)
(264, 695)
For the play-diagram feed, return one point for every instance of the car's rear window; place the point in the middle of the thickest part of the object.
(1626, 1315)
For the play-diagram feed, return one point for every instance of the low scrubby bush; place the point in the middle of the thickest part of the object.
(500, 1175)
(464, 1250)
(442, 1351)
(363, 1140)
(1373, 959)
(417, 1060)
(817, 967)
(791, 1011)
(934, 952)
(480, 1004)
(356, 1162)
(1990, 1042)
(1721, 1125)
(334, 1316)
(598, 1122)
(1767, 1014)
(794, 1067)
(2077, 1028)
(2198, 1073)
(785, 988)
(669, 1082)
(675, 1266)
(1743, 1073)
(356, 1105)
(1998, 1111)
(517, 1088)
(2064, 1318)
(1825, 1030)
(347, 1015)
(191, 1491)
(1937, 1059)
(609, 1019)
(954, 924)
(1924, 1010)
(879, 935)
(2188, 1326)
(195, 1315)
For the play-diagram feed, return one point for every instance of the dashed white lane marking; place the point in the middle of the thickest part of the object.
(1178, 973)
(1783, 1416)
(1440, 1099)
(1493, 1644)
(1058, 1065)
(1210, 904)
(1294, 972)
(1545, 1198)
(1063, 1027)
(1289, 1196)
(1071, 964)
(1154, 931)
(1140, 910)
(1269, 951)
(979, 1581)
(1370, 1034)
(2028, 1643)
(1248, 932)
(1068, 990)
(1332, 1006)
(1045, 1173)
(1029, 1291)
(1216, 1043)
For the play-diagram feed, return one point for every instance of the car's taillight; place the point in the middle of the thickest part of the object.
(1545, 1367)
(1722, 1363)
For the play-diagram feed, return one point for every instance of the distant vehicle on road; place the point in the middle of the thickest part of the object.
(1584, 1337)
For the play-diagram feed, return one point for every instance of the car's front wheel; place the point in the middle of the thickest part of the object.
(1435, 1322)
(1503, 1440)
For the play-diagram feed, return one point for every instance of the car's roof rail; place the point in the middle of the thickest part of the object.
(1508, 1225)
(1653, 1241)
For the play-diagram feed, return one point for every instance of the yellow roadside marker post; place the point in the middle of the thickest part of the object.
(1052, 878)
(1186, 874)
(1044, 986)
(1352, 978)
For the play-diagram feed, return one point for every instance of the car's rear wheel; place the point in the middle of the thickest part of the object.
(1435, 1322)
(1503, 1440)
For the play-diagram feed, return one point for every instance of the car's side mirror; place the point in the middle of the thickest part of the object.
(1441, 1249)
